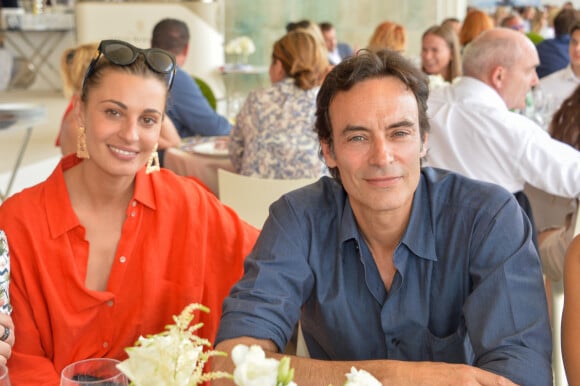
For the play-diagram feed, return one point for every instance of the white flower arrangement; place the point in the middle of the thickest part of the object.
(176, 357)
(242, 45)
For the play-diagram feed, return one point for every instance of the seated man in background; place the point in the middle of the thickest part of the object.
(187, 107)
(553, 53)
(475, 134)
(418, 276)
(337, 51)
(561, 84)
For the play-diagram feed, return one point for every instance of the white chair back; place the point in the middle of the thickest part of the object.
(251, 197)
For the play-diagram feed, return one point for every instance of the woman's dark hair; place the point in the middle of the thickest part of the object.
(363, 66)
(565, 125)
(138, 67)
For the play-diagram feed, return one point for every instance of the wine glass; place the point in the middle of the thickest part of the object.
(93, 372)
(544, 106)
(4, 378)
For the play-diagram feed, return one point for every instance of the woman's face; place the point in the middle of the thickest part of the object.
(435, 55)
(122, 117)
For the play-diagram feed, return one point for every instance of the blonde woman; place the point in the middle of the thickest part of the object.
(273, 136)
(73, 65)
(440, 53)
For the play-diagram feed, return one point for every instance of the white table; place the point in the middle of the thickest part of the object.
(19, 116)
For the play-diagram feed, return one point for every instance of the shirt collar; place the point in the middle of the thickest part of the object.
(60, 215)
(468, 88)
(419, 236)
(568, 74)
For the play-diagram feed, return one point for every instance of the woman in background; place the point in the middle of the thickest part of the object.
(560, 251)
(565, 127)
(388, 35)
(273, 136)
(440, 54)
(73, 65)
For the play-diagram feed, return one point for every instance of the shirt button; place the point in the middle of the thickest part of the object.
(133, 214)
(110, 303)
(134, 203)
(122, 259)
(105, 344)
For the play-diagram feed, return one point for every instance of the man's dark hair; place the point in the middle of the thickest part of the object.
(170, 35)
(565, 20)
(575, 27)
(363, 66)
(298, 24)
(325, 26)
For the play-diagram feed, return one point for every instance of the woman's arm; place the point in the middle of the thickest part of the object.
(571, 313)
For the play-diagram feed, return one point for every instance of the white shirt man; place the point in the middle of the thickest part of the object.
(474, 132)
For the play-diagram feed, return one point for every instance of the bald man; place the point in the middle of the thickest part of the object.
(475, 133)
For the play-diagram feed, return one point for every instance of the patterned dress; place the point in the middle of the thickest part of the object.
(274, 134)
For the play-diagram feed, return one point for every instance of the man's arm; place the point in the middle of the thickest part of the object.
(192, 113)
(390, 372)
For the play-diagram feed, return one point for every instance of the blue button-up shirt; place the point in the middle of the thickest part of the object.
(468, 286)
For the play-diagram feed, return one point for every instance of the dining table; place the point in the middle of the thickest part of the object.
(200, 158)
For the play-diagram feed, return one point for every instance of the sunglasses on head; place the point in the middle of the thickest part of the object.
(122, 53)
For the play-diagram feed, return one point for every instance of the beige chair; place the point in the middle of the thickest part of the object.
(251, 197)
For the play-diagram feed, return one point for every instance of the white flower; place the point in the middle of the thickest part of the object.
(174, 357)
(254, 369)
(360, 378)
(242, 45)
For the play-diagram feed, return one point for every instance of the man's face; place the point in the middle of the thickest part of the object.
(574, 51)
(377, 146)
(520, 78)
(330, 39)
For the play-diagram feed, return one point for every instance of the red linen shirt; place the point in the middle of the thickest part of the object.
(178, 245)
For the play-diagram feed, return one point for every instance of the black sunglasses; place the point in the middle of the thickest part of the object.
(122, 53)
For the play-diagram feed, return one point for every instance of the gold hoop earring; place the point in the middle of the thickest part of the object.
(153, 162)
(82, 151)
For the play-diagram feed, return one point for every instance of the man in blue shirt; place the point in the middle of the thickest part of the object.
(189, 110)
(553, 53)
(419, 276)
